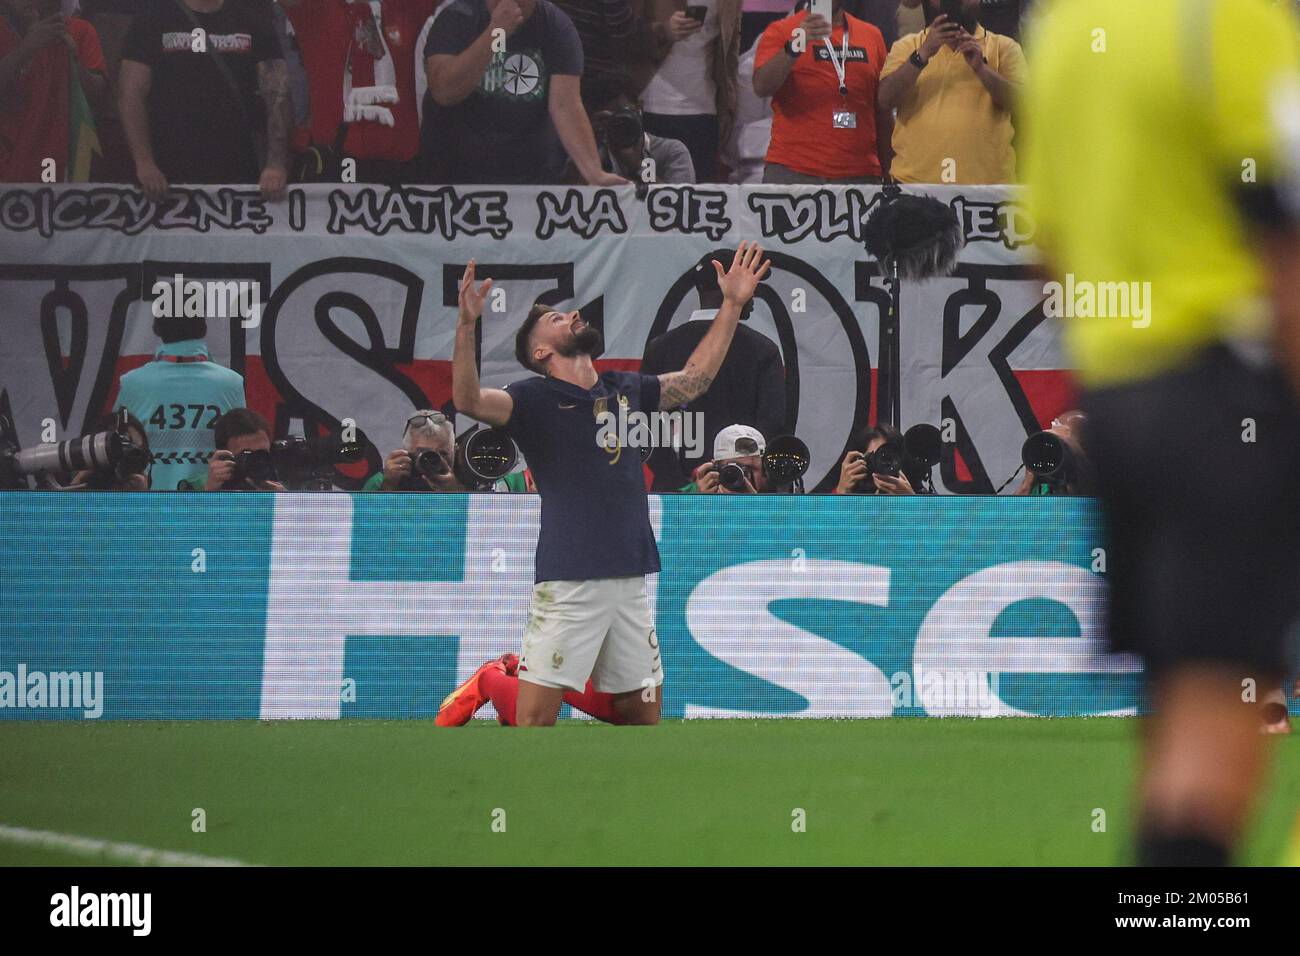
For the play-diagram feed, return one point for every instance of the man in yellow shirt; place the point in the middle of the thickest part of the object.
(1163, 163)
(953, 85)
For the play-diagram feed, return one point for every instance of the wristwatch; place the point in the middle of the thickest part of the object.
(790, 50)
(916, 61)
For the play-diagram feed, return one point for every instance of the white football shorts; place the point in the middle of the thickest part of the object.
(598, 629)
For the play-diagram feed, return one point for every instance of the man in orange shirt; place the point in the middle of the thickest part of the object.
(822, 77)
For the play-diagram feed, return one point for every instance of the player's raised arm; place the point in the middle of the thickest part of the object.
(492, 406)
(738, 284)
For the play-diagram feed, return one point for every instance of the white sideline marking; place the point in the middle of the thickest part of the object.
(108, 851)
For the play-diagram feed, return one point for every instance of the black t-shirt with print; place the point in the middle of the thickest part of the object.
(199, 131)
(501, 132)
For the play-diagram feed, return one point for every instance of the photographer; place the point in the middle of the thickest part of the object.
(124, 477)
(427, 460)
(1075, 473)
(623, 144)
(242, 461)
(737, 465)
(881, 467)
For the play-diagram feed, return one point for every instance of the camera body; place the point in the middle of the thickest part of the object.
(301, 464)
(255, 465)
(732, 476)
(623, 128)
(425, 463)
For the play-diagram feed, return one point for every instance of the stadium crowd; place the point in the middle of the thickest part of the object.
(507, 91)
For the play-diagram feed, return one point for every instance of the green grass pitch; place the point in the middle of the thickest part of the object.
(897, 791)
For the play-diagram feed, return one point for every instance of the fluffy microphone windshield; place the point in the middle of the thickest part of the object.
(923, 234)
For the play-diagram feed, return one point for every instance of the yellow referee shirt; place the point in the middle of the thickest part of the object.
(948, 117)
(1148, 123)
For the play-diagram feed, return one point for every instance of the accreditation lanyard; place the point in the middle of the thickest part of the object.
(840, 64)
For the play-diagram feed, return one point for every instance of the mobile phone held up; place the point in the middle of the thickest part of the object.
(821, 8)
(697, 11)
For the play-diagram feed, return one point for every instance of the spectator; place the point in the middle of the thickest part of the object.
(623, 143)
(508, 116)
(180, 396)
(242, 461)
(426, 462)
(191, 116)
(861, 471)
(606, 29)
(692, 96)
(745, 151)
(51, 80)
(360, 59)
(749, 389)
(953, 86)
(111, 20)
(825, 126)
(737, 465)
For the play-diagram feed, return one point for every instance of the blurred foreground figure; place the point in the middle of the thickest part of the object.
(1164, 170)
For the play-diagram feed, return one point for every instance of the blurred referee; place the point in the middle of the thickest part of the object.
(1163, 148)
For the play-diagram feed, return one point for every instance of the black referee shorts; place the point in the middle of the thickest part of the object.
(1203, 553)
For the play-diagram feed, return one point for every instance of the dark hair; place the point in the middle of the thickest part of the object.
(180, 329)
(237, 422)
(601, 89)
(523, 349)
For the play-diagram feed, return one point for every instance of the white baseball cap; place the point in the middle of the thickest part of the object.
(738, 441)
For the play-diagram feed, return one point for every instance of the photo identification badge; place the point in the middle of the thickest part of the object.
(844, 119)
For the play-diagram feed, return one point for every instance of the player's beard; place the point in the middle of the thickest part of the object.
(587, 340)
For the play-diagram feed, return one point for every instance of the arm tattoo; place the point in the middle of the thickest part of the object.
(681, 388)
(273, 82)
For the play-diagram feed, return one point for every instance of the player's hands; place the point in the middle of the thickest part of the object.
(747, 269)
(815, 28)
(893, 484)
(472, 298)
(272, 183)
(507, 16)
(706, 479)
(396, 467)
(681, 26)
(942, 32)
(221, 468)
(853, 471)
(152, 181)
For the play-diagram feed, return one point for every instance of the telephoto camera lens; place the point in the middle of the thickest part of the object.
(1048, 457)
